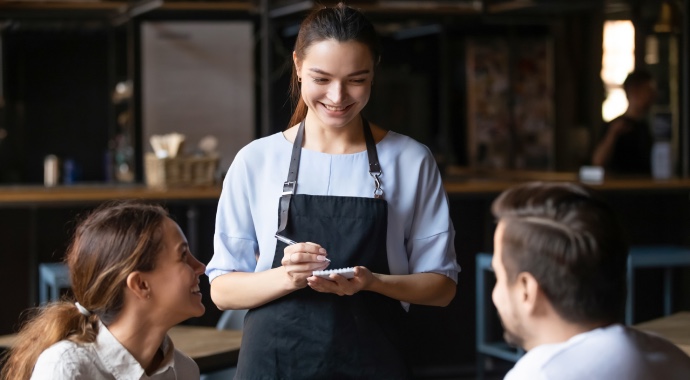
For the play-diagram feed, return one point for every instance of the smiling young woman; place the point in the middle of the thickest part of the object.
(344, 189)
(133, 279)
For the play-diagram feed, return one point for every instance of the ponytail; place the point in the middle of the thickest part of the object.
(46, 326)
(113, 241)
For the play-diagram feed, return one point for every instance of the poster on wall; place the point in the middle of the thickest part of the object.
(198, 80)
(510, 103)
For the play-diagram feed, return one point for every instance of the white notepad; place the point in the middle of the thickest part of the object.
(345, 272)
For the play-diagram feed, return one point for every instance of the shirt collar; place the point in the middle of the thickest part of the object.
(121, 364)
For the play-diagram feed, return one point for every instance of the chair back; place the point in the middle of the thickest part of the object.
(231, 320)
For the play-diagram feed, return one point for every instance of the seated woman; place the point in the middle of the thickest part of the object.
(133, 279)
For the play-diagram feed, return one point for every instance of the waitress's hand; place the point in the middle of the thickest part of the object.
(342, 286)
(300, 260)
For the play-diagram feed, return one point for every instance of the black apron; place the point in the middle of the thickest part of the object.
(311, 335)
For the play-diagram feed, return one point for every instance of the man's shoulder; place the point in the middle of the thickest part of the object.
(618, 351)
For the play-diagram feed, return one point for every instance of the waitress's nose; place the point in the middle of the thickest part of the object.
(336, 92)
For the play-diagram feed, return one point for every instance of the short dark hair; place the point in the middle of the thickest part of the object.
(573, 244)
(637, 78)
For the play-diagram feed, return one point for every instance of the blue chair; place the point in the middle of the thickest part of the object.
(229, 320)
(52, 277)
(655, 256)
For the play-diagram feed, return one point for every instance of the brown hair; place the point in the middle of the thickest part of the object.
(341, 23)
(113, 241)
(571, 241)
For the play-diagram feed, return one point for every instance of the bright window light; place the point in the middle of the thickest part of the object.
(618, 60)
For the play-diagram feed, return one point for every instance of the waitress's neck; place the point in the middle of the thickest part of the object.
(345, 139)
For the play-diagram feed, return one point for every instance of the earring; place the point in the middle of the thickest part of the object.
(299, 79)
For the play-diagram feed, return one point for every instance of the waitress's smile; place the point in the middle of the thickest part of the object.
(335, 110)
(336, 82)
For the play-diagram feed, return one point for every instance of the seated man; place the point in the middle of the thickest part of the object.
(560, 263)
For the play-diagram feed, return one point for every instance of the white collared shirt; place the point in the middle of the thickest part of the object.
(107, 358)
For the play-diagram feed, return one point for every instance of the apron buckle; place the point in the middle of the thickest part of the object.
(289, 187)
(378, 189)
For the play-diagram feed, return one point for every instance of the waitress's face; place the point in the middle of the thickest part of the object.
(336, 81)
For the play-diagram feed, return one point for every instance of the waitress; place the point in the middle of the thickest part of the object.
(346, 191)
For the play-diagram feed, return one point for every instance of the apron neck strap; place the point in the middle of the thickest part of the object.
(374, 166)
(290, 185)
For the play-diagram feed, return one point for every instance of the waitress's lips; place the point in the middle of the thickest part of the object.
(337, 108)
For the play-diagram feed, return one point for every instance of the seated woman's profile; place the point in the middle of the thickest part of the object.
(133, 278)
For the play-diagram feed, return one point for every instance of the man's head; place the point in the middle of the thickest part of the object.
(559, 253)
(640, 89)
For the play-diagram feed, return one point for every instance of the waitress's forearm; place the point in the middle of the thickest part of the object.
(430, 289)
(242, 290)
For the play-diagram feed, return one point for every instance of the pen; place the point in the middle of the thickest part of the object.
(291, 242)
(285, 240)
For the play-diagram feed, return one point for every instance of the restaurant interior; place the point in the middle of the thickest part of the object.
(501, 91)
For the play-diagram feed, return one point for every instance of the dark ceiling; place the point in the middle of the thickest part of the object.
(19, 9)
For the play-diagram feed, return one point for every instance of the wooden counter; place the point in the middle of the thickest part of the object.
(453, 183)
(460, 181)
(40, 195)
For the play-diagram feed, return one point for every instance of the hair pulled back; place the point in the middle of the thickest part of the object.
(340, 23)
(113, 241)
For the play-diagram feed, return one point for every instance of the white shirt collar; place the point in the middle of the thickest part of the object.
(121, 363)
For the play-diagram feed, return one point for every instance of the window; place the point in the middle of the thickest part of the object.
(618, 60)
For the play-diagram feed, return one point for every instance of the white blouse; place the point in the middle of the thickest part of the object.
(420, 233)
(107, 358)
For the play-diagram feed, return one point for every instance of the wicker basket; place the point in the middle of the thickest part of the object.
(183, 171)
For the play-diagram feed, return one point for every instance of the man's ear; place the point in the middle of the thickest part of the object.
(529, 291)
(137, 283)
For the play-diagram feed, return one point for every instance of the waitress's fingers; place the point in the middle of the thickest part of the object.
(324, 285)
(299, 273)
(303, 257)
(335, 284)
(363, 277)
(345, 286)
(307, 247)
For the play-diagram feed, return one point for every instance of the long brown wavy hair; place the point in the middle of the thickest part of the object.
(341, 23)
(113, 241)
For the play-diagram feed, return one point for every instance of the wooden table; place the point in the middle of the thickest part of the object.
(675, 328)
(211, 349)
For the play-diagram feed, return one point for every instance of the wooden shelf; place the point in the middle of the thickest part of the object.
(37, 195)
(104, 9)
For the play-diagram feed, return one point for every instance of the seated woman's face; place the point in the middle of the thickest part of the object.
(174, 281)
